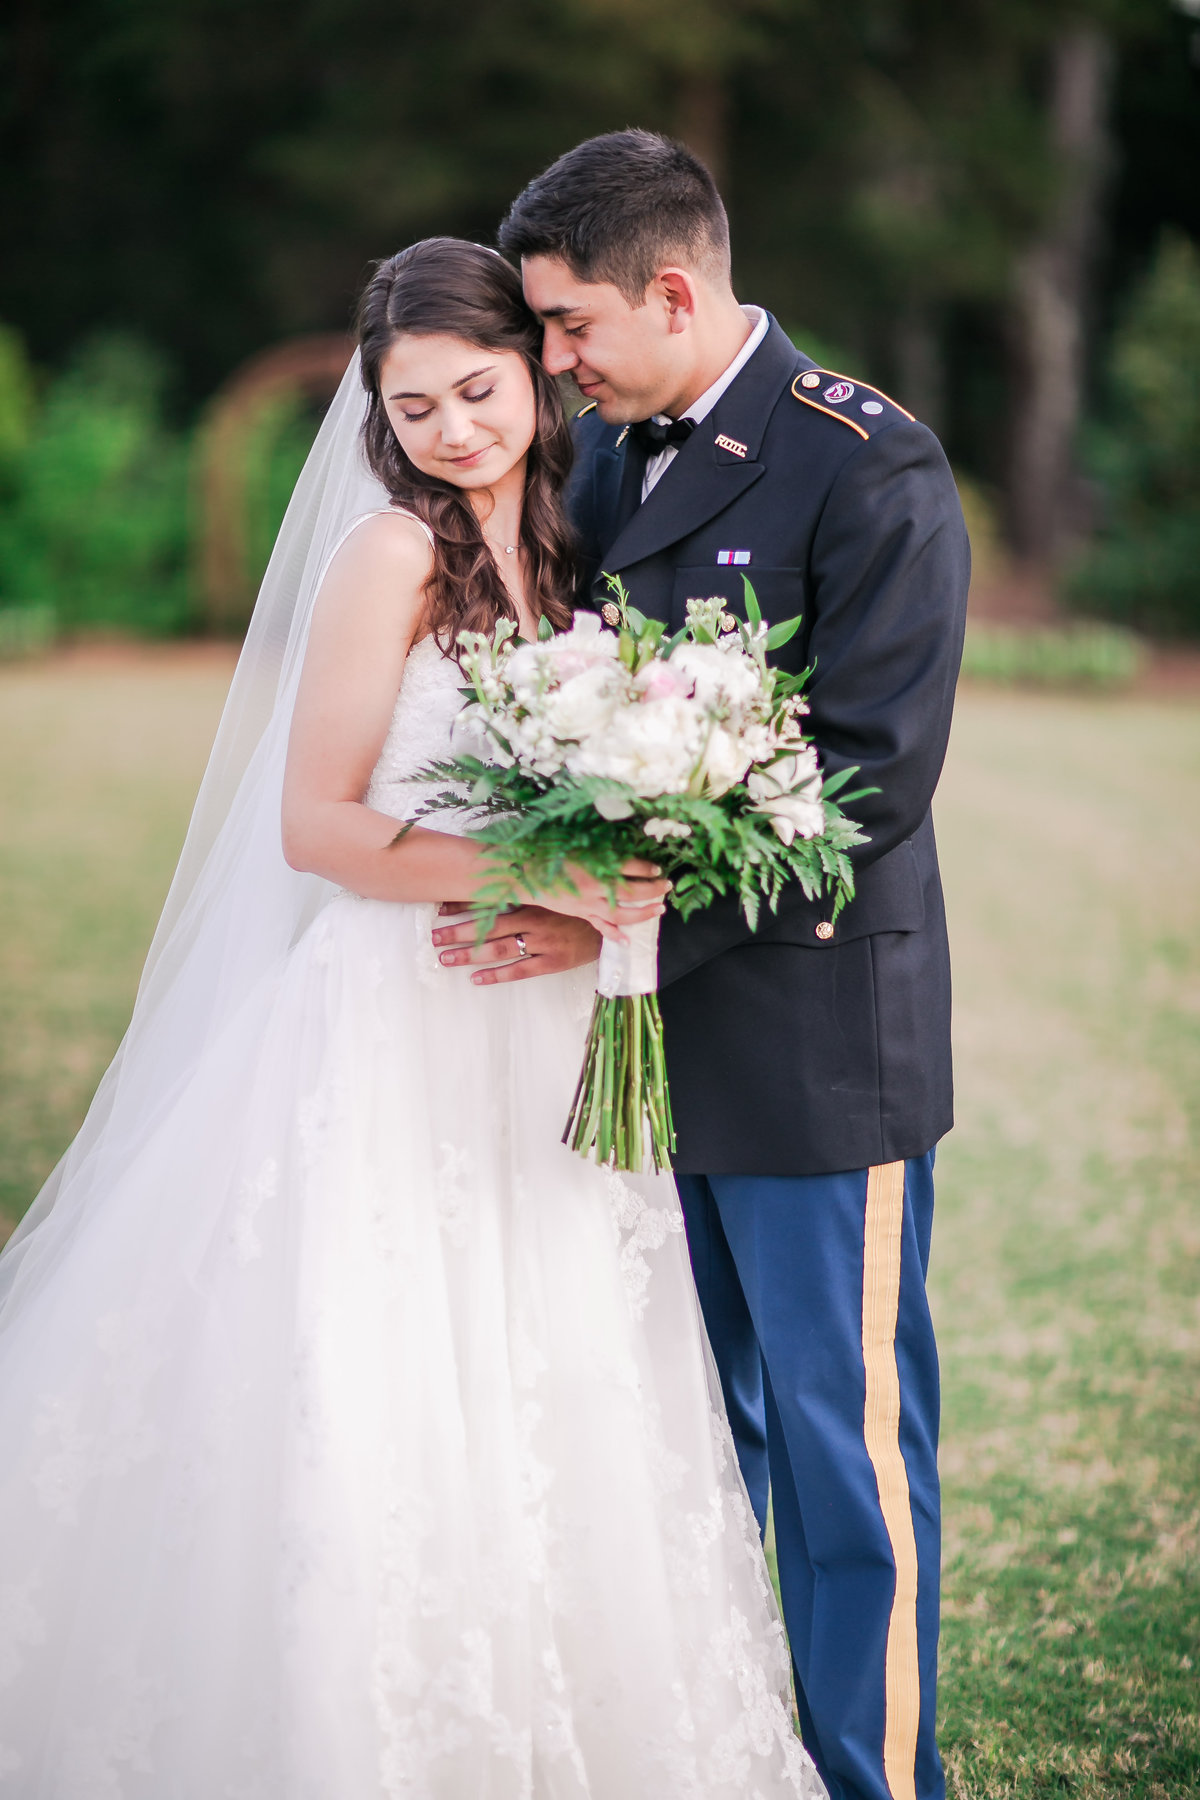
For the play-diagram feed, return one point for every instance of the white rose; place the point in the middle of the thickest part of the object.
(614, 806)
(792, 816)
(798, 771)
(789, 791)
(726, 760)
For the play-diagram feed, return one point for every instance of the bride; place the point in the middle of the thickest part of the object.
(358, 1439)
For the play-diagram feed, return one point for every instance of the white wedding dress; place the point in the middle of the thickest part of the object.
(363, 1441)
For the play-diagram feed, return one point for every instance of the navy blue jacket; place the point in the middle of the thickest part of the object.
(790, 1053)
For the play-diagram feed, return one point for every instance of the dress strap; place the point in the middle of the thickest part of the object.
(405, 514)
(379, 512)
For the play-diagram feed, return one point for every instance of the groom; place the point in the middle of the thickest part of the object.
(809, 1062)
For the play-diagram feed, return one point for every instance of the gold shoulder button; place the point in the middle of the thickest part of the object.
(584, 410)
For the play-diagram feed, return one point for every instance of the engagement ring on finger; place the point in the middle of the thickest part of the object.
(519, 941)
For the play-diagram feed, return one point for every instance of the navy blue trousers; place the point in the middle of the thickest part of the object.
(813, 1290)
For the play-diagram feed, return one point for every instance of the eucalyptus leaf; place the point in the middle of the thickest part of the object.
(783, 633)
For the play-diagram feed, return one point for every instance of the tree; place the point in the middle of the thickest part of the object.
(1144, 567)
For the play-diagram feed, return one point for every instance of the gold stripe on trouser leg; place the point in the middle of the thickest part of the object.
(881, 1429)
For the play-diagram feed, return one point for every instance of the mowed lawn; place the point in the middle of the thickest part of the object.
(1066, 1267)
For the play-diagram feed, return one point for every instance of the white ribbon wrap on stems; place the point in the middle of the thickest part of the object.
(631, 967)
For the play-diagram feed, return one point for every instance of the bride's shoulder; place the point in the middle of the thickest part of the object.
(375, 581)
(395, 540)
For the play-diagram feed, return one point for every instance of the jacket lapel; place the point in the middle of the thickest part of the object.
(706, 476)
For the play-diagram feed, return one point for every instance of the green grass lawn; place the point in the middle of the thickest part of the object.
(1067, 1253)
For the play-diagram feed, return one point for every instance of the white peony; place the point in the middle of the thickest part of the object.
(586, 643)
(660, 680)
(584, 704)
(721, 676)
(652, 748)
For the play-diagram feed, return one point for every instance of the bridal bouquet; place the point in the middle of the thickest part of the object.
(595, 746)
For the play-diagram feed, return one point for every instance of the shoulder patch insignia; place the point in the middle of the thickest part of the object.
(584, 410)
(840, 398)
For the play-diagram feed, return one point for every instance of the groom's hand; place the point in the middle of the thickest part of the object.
(552, 942)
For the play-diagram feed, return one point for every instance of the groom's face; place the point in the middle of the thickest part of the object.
(628, 359)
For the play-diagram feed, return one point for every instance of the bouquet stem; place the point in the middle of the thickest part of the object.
(621, 1113)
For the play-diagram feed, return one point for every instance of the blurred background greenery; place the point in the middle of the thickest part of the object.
(990, 210)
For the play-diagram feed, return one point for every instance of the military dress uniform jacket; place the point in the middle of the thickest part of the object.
(791, 1051)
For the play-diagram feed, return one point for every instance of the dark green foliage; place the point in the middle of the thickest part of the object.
(536, 829)
(274, 455)
(218, 177)
(93, 507)
(1145, 567)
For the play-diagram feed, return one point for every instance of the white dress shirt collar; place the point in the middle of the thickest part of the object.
(658, 465)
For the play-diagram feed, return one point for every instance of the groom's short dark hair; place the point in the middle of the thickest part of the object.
(619, 208)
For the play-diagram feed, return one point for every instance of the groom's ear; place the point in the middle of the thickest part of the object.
(675, 292)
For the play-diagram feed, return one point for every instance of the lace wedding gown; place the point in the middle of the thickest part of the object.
(365, 1441)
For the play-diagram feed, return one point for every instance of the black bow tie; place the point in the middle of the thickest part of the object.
(654, 436)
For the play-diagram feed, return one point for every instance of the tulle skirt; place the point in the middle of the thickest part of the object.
(364, 1442)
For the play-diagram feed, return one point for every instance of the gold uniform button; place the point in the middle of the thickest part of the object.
(810, 379)
(610, 612)
(824, 931)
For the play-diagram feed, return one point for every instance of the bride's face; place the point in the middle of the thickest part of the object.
(459, 412)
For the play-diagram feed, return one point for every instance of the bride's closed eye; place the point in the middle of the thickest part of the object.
(414, 418)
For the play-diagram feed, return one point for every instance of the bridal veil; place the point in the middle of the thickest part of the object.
(234, 907)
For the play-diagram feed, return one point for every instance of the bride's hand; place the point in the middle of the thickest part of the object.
(640, 895)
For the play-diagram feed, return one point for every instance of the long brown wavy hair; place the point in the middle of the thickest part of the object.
(447, 287)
